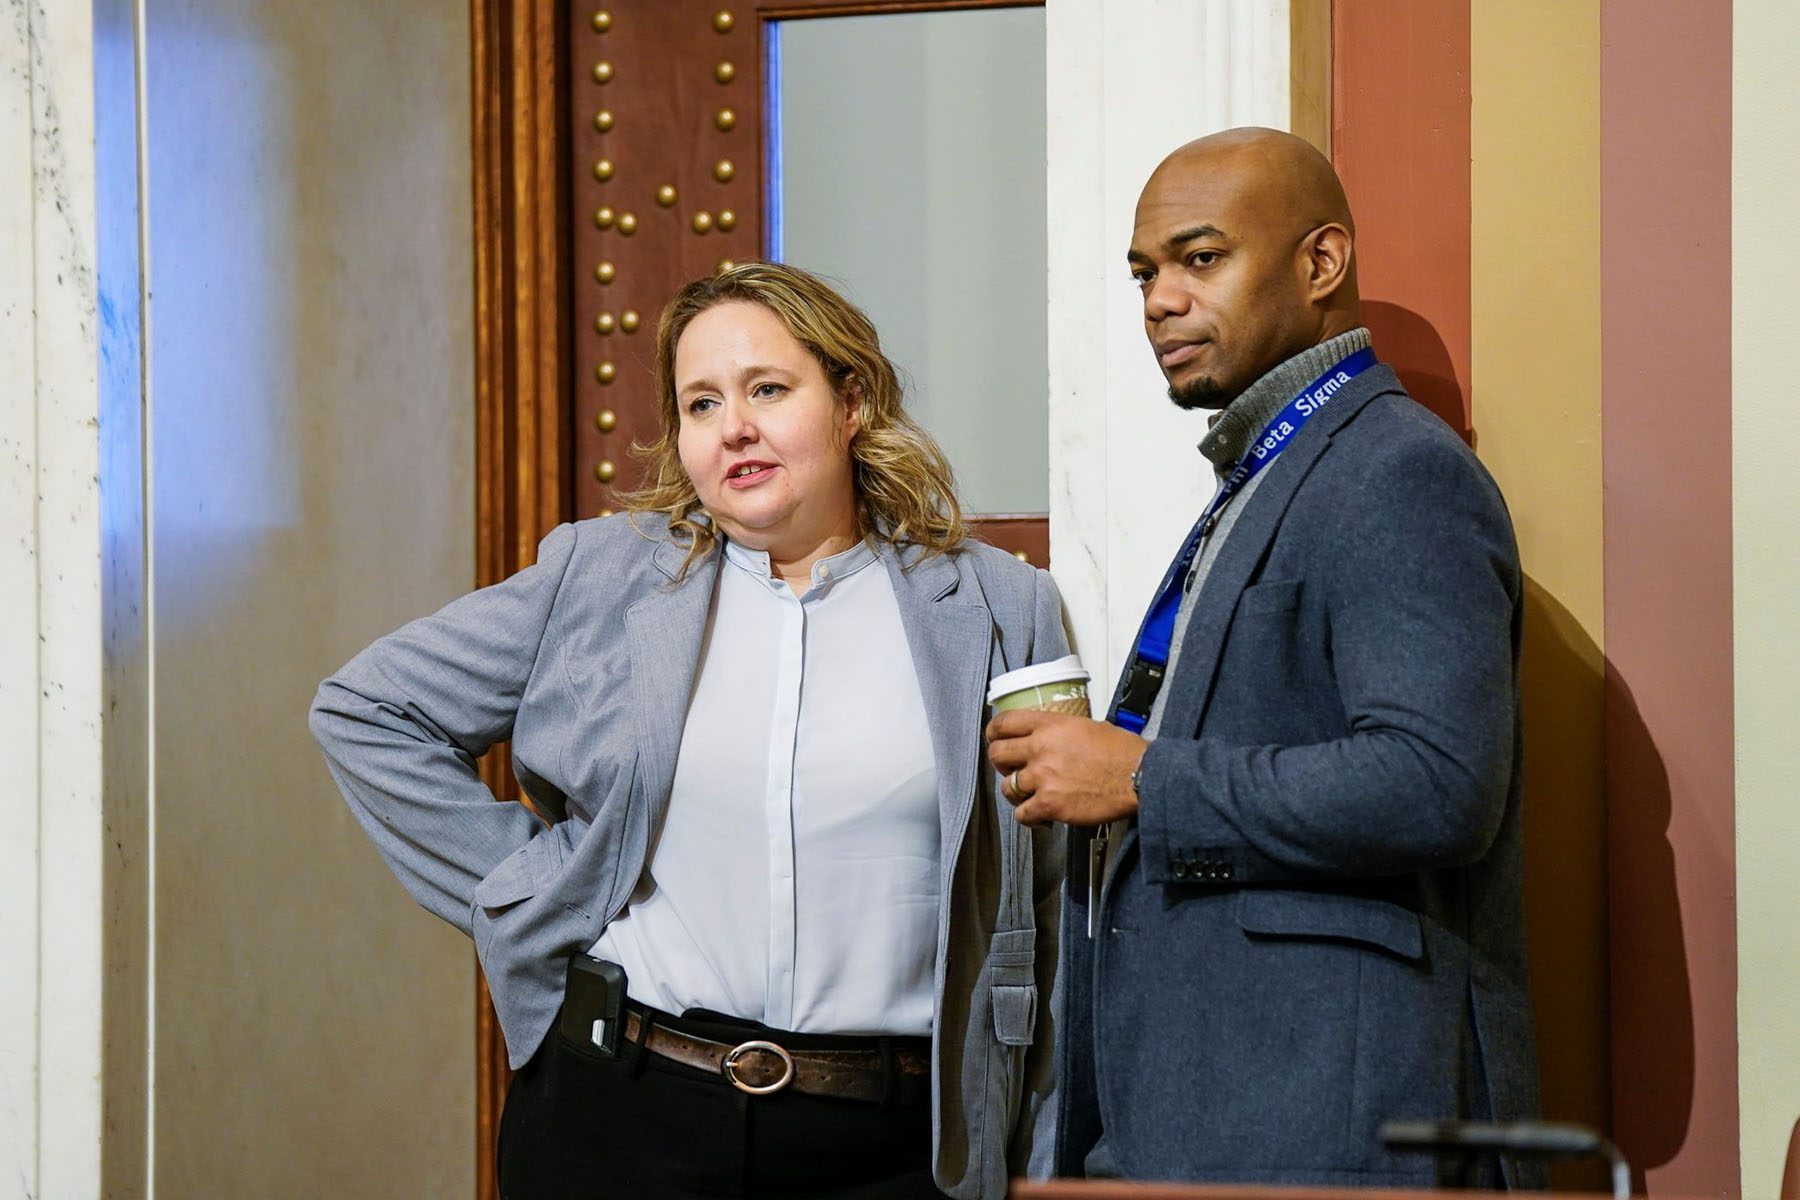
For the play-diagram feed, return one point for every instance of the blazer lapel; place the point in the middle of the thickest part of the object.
(950, 638)
(665, 629)
(1192, 682)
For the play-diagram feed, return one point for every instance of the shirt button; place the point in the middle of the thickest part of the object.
(824, 571)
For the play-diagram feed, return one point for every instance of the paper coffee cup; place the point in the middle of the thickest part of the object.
(1059, 687)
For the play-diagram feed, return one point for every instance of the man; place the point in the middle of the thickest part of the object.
(1295, 900)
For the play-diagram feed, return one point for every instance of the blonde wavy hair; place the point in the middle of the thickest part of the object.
(905, 491)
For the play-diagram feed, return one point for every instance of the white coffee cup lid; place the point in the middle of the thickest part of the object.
(1064, 670)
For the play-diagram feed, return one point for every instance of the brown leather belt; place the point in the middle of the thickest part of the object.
(763, 1068)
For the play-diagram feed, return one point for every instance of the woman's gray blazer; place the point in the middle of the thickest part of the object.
(586, 660)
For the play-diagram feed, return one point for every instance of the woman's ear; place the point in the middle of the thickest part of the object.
(852, 394)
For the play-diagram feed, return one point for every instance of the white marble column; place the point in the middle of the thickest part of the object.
(50, 867)
(50, 856)
(19, 669)
(71, 668)
(312, 263)
(1128, 81)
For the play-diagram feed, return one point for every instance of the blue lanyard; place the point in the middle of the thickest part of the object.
(1150, 653)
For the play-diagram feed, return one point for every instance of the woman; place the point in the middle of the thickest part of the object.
(780, 885)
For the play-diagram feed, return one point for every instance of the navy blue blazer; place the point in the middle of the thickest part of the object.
(1316, 924)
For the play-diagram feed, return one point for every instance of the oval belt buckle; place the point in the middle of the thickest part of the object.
(729, 1066)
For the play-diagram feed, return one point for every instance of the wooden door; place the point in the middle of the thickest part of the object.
(668, 181)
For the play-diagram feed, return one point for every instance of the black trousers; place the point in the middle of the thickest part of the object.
(581, 1127)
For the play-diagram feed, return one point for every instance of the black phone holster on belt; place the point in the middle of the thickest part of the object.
(593, 1009)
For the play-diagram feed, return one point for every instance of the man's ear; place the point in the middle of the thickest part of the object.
(1327, 249)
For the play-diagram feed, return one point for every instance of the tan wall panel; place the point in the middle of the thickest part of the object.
(1535, 259)
(1309, 71)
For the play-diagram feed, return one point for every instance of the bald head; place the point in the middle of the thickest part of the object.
(1243, 249)
(1276, 174)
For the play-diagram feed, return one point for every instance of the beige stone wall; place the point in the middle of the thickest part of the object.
(1766, 583)
(312, 420)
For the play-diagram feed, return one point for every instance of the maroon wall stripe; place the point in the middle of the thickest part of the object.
(1665, 187)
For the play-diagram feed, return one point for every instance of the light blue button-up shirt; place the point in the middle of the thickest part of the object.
(795, 879)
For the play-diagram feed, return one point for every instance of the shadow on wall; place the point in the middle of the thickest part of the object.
(1561, 695)
(1407, 342)
(1662, 1087)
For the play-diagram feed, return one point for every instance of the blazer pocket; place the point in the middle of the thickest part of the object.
(1275, 596)
(523, 873)
(1012, 985)
(1322, 916)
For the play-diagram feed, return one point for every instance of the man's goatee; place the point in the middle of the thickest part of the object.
(1201, 393)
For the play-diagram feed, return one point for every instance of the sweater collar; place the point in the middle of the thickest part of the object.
(1240, 421)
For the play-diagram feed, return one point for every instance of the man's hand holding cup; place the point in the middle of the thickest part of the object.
(1057, 764)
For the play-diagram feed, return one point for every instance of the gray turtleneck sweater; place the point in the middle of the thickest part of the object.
(1225, 443)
